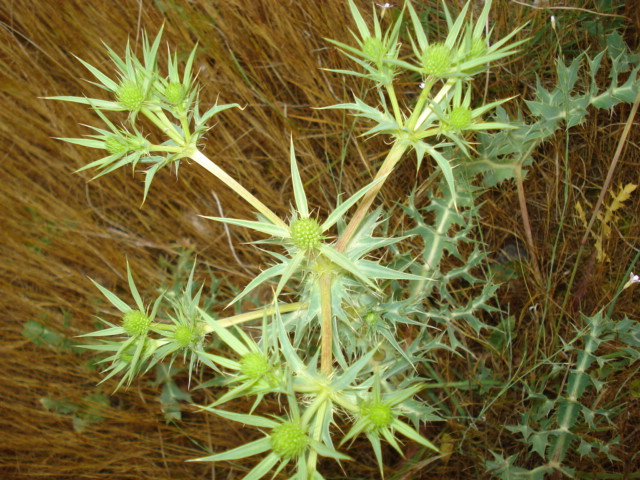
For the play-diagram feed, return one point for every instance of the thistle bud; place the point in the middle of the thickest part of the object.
(116, 146)
(436, 59)
(289, 440)
(377, 415)
(136, 323)
(254, 365)
(174, 93)
(305, 233)
(130, 95)
(459, 118)
(374, 49)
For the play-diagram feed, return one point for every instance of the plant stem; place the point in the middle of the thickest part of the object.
(527, 225)
(312, 460)
(207, 164)
(326, 354)
(394, 103)
(415, 124)
(165, 125)
(255, 314)
(162, 148)
(614, 162)
(419, 115)
(393, 157)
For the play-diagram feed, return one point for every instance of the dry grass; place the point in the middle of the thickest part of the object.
(57, 229)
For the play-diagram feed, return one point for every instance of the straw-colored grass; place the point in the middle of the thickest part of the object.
(267, 55)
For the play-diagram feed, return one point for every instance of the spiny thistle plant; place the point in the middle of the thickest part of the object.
(333, 340)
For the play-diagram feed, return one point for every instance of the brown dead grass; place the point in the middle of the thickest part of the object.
(57, 230)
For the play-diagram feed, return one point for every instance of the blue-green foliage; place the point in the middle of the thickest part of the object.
(560, 418)
(505, 153)
(450, 233)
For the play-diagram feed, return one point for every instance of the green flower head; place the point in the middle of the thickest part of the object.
(289, 440)
(131, 95)
(376, 414)
(374, 48)
(306, 233)
(174, 93)
(115, 145)
(436, 59)
(136, 323)
(254, 365)
(459, 118)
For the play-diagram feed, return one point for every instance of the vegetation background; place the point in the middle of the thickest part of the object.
(56, 229)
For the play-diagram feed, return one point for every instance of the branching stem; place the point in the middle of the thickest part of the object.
(207, 164)
(393, 157)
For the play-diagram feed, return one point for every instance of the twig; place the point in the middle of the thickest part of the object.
(612, 167)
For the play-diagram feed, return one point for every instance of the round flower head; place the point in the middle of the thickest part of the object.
(305, 233)
(377, 415)
(436, 59)
(374, 48)
(254, 365)
(459, 118)
(478, 47)
(130, 95)
(289, 440)
(173, 93)
(371, 318)
(185, 335)
(136, 323)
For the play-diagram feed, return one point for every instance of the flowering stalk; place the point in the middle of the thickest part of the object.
(219, 173)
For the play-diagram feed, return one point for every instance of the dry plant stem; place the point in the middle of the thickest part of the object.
(527, 227)
(603, 192)
(612, 167)
(207, 164)
(326, 355)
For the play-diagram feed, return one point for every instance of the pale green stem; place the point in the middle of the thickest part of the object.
(578, 378)
(326, 358)
(434, 249)
(165, 120)
(184, 123)
(394, 103)
(162, 148)
(207, 164)
(426, 112)
(344, 403)
(255, 314)
(422, 99)
(316, 405)
(393, 157)
(307, 389)
(317, 434)
(165, 125)
(326, 354)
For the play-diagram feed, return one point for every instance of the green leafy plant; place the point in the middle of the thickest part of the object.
(357, 319)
